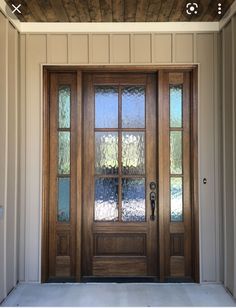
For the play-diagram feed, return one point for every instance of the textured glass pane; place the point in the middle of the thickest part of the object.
(176, 192)
(106, 107)
(133, 153)
(133, 199)
(133, 107)
(63, 212)
(64, 152)
(64, 107)
(106, 145)
(106, 199)
(175, 152)
(176, 94)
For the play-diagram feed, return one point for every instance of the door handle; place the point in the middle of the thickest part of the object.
(153, 204)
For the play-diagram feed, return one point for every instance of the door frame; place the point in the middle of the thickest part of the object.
(159, 70)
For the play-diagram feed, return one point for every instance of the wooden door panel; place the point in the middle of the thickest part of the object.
(119, 247)
(62, 175)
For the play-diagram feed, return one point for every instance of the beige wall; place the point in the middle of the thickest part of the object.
(229, 152)
(8, 155)
(127, 49)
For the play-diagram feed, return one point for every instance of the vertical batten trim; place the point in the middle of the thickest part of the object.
(132, 51)
(223, 130)
(90, 48)
(22, 147)
(111, 54)
(216, 155)
(173, 57)
(48, 49)
(130, 48)
(151, 47)
(195, 47)
(109, 48)
(67, 49)
(152, 51)
(6, 158)
(233, 25)
(16, 157)
(69, 52)
(27, 207)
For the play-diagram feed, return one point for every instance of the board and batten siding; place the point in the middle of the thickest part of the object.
(119, 49)
(228, 35)
(9, 38)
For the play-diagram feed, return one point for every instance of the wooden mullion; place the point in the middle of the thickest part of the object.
(119, 155)
(120, 130)
(64, 130)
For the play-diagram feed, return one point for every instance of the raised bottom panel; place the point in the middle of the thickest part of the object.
(119, 267)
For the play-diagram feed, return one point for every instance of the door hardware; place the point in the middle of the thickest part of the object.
(153, 186)
(153, 204)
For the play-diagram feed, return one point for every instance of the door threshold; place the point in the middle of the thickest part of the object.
(119, 279)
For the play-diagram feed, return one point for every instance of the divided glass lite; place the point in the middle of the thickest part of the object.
(64, 149)
(119, 153)
(176, 149)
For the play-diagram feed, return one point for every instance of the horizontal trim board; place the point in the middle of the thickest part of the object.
(121, 27)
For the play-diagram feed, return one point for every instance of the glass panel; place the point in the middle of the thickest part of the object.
(64, 152)
(133, 153)
(106, 199)
(106, 107)
(64, 107)
(176, 192)
(175, 152)
(133, 107)
(106, 145)
(176, 94)
(133, 199)
(63, 211)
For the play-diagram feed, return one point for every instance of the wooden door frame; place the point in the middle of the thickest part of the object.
(193, 69)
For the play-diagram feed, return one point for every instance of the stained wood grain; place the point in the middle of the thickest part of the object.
(116, 10)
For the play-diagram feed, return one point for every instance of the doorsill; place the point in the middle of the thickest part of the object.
(119, 279)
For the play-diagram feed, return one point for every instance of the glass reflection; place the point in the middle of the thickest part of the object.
(64, 107)
(176, 94)
(106, 107)
(176, 152)
(176, 192)
(63, 207)
(133, 153)
(106, 199)
(64, 152)
(133, 107)
(133, 199)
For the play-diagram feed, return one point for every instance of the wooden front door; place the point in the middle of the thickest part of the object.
(120, 163)
(120, 176)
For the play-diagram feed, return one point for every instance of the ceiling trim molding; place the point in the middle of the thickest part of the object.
(14, 21)
(123, 27)
(228, 15)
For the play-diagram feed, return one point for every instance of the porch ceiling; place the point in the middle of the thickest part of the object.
(116, 10)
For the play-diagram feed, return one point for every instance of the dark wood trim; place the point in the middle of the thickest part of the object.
(45, 180)
(193, 69)
(79, 130)
(194, 174)
(160, 159)
(130, 68)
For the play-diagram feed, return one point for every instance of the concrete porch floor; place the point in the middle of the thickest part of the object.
(119, 295)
